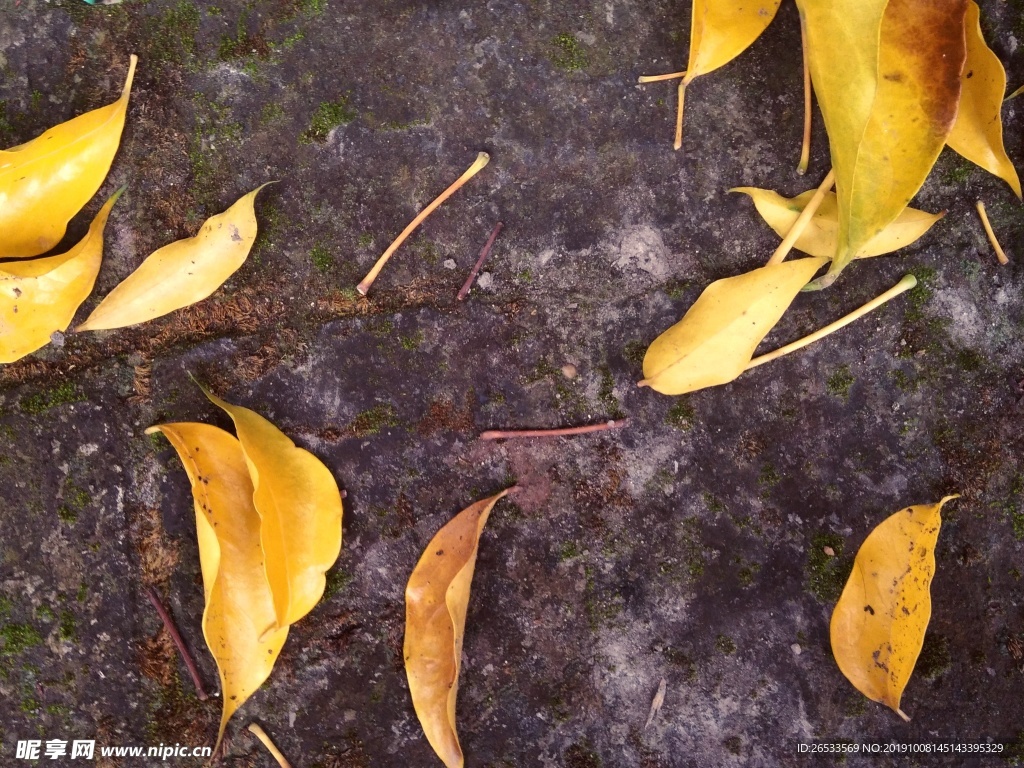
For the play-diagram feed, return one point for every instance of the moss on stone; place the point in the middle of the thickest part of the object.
(62, 394)
(725, 645)
(321, 258)
(827, 574)
(328, 116)
(840, 382)
(681, 414)
(373, 420)
(935, 658)
(567, 54)
(17, 638)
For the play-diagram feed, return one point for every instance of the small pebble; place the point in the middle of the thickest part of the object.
(829, 551)
(795, 647)
(57, 339)
(449, 264)
(485, 281)
(569, 371)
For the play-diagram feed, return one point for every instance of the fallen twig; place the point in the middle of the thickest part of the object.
(659, 699)
(501, 434)
(172, 630)
(484, 253)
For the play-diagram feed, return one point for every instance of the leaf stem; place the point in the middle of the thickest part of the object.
(802, 220)
(1018, 92)
(908, 282)
(1000, 254)
(659, 78)
(501, 434)
(271, 747)
(678, 143)
(805, 150)
(481, 160)
(172, 630)
(484, 253)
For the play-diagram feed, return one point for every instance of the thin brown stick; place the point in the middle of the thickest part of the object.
(802, 220)
(484, 253)
(805, 150)
(501, 434)
(172, 630)
(481, 160)
(1000, 254)
(271, 747)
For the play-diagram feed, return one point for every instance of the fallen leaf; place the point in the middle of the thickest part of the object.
(41, 296)
(436, 601)
(978, 131)
(239, 602)
(300, 509)
(878, 625)
(182, 273)
(46, 181)
(717, 336)
(887, 77)
(821, 236)
(657, 702)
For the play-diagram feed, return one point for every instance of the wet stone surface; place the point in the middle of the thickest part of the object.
(688, 546)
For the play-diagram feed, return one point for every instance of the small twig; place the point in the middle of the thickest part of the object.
(484, 253)
(659, 78)
(908, 282)
(172, 630)
(481, 160)
(271, 747)
(805, 150)
(802, 220)
(501, 434)
(1000, 254)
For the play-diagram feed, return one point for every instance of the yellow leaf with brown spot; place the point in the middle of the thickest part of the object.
(239, 602)
(821, 235)
(46, 181)
(41, 296)
(978, 131)
(716, 339)
(436, 601)
(878, 625)
(887, 77)
(300, 509)
(182, 273)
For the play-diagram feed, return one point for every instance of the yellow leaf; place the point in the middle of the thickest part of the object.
(720, 30)
(887, 77)
(45, 182)
(436, 601)
(716, 338)
(41, 296)
(878, 625)
(182, 273)
(299, 504)
(239, 603)
(820, 237)
(978, 131)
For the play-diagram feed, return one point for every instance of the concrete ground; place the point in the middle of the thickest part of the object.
(689, 545)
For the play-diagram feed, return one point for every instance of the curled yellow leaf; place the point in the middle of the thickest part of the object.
(239, 603)
(821, 236)
(46, 181)
(299, 506)
(716, 338)
(978, 131)
(182, 273)
(878, 625)
(41, 296)
(436, 601)
(720, 30)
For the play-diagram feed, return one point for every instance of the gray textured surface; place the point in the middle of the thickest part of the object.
(687, 546)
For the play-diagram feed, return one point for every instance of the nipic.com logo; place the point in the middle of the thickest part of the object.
(85, 749)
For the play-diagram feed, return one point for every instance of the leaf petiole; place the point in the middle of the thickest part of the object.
(481, 160)
(805, 150)
(802, 220)
(908, 282)
(271, 747)
(1000, 253)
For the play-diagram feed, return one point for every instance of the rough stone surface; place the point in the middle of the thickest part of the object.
(688, 546)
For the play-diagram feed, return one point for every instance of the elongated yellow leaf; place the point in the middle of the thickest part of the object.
(717, 336)
(41, 296)
(182, 273)
(299, 505)
(239, 603)
(978, 131)
(887, 77)
(878, 625)
(46, 181)
(436, 601)
(821, 235)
